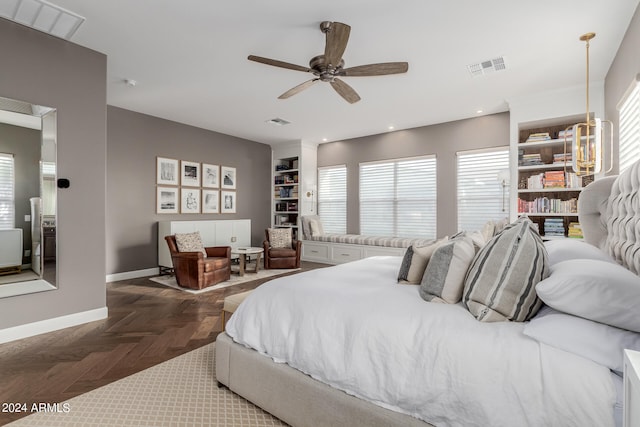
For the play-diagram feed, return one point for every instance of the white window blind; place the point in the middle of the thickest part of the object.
(398, 198)
(481, 195)
(332, 198)
(630, 128)
(7, 191)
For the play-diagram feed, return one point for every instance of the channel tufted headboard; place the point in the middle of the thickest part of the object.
(609, 212)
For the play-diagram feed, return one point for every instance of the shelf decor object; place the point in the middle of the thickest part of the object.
(587, 139)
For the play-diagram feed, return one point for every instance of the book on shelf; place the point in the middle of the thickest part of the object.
(562, 158)
(538, 136)
(554, 227)
(575, 230)
(545, 205)
(530, 160)
(554, 179)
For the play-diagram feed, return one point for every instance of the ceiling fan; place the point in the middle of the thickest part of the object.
(329, 66)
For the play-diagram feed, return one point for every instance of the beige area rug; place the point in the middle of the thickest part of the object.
(170, 281)
(178, 392)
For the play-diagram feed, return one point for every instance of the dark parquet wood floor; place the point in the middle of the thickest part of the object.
(147, 325)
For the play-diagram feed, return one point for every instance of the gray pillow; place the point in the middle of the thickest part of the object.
(443, 279)
(415, 262)
(500, 284)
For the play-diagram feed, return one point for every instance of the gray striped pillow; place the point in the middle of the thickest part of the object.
(500, 284)
(443, 279)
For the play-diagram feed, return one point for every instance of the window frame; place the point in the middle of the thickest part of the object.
(487, 175)
(425, 205)
(330, 224)
(8, 219)
(629, 139)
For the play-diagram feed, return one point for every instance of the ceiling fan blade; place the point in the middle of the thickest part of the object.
(380, 69)
(337, 38)
(345, 91)
(277, 63)
(297, 89)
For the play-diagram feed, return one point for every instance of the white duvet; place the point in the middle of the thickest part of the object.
(353, 327)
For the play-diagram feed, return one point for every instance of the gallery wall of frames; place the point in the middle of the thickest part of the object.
(186, 187)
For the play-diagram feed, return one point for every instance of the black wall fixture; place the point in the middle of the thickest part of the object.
(63, 183)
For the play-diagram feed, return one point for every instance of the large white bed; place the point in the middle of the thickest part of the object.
(348, 345)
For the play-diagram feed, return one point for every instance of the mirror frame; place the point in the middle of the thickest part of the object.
(44, 119)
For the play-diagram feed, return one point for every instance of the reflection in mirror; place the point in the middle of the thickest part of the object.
(27, 198)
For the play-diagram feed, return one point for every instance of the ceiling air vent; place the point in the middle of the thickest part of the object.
(278, 122)
(486, 67)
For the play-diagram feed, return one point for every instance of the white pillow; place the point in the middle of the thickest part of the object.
(595, 341)
(566, 249)
(596, 290)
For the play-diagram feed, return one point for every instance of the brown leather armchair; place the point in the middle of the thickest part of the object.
(281, 257)
(194, 271)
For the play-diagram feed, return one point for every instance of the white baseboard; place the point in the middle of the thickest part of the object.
(133, 274)
(50, 325)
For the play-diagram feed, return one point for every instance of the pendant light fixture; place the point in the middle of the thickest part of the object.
(588, 139)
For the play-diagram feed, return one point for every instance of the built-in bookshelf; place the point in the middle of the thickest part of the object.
(548, 189)
(286, 193)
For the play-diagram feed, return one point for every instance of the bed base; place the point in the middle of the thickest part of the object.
(294, 397)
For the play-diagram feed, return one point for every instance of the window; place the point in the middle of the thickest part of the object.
(398, 198)
(630, 128)
(482, 194)
(7, 191)
(332, 198)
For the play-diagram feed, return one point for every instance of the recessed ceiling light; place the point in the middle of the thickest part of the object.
(278, 122)
(324, 139)
(42, 16)
(391, 128)
(479, 112)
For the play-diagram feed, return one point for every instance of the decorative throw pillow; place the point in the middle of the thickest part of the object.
(306, 226)
(190, 242)
(280, 237)
(601, 343)
(443, 278)
(415, 262)
(596, 290)
(316, 227)
(500, 284)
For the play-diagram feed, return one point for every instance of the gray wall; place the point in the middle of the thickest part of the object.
(134, 142)
(443, 140)
(45, 70)
(24, 144)
(623, 70)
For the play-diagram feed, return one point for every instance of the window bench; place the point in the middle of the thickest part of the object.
(341, 248)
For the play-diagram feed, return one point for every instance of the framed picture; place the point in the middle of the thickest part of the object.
(190, 174)
(166, 171)
(228, 176)
(210, 176)
(167, 200)
(210, 201)
(228, 201)
(190, 200)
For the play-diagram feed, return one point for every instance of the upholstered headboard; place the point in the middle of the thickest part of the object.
(609, 212)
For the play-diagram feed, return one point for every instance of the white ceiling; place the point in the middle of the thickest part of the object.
(190, 59)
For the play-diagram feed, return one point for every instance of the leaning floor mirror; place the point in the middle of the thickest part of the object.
(27, 198)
